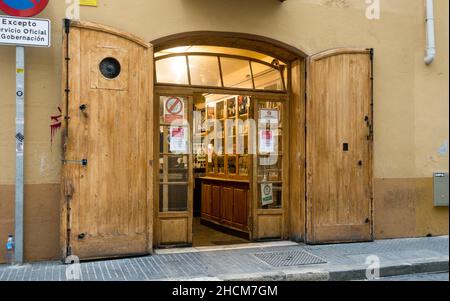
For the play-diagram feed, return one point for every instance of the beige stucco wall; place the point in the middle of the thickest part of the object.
(411, 99)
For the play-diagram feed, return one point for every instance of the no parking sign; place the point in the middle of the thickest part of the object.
(23, 8)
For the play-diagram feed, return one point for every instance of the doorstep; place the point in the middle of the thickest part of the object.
(258, 245)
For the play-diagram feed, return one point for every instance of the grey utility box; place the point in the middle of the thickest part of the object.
(441, 189)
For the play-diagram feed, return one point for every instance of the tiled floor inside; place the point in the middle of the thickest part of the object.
(204, 236)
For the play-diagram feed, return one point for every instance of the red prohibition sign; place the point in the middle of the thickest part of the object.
(23, 8)
(174, 105)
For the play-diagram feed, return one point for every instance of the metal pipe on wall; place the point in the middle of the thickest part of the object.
(431, 42)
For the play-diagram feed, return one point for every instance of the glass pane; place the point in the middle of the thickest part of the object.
(204, 70)
(221, 164)
(243, 165)
(243, 106)
(211, 164)
(173, 168)
(266, 78)
(172, 70)
(173, 198)
(232, 165)
(272, 198)
(269, 169)
(231, 108)
(270, 158)
(236, 73)
(221, 110)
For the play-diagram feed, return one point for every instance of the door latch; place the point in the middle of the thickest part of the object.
(83, 162)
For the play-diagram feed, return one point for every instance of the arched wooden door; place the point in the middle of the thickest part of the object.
(339, 146)
(107, 171)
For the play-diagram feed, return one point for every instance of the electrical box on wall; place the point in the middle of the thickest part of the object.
(440, 189)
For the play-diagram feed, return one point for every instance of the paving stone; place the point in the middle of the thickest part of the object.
(343, 261)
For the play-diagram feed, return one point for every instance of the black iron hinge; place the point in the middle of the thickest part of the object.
(67, 23)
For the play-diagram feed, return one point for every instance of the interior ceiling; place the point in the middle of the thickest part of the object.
(217, 49)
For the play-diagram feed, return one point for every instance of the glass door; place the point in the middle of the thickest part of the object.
(269, 168)
(175, 185)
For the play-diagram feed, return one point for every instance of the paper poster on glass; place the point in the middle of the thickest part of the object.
(269, 116)
(266, 194)
(267, 141)
(178, 140)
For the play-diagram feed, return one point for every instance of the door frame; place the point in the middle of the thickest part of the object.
(254, 212)
(171, 215)
(271, 215)
(308, 204)
(67, 94)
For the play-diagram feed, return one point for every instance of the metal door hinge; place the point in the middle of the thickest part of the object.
(83, 162)
(371, 53)
(67, 25)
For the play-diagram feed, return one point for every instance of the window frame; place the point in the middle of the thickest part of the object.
(280, 69)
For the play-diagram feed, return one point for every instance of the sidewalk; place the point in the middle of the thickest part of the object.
(290, 262)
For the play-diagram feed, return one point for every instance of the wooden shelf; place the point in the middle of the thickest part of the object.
(225, 180)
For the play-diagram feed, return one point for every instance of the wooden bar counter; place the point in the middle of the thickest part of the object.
(225, 203)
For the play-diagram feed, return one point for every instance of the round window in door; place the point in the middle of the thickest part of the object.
(110, 68)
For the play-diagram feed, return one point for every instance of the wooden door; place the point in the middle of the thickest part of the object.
(107, 206)
(174, 187)
(339, 146)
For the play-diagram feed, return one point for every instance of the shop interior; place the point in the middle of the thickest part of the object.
(217, 146)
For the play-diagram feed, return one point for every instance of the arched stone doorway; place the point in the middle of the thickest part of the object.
(288, 221)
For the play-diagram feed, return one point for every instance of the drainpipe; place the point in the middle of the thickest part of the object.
(431, 43)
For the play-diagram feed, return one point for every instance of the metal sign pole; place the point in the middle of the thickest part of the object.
(20, 141)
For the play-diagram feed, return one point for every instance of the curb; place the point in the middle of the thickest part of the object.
(337, 275)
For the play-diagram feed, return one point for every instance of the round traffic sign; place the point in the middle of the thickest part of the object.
(23, 8)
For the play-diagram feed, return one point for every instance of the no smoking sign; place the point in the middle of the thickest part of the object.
(173, 109)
